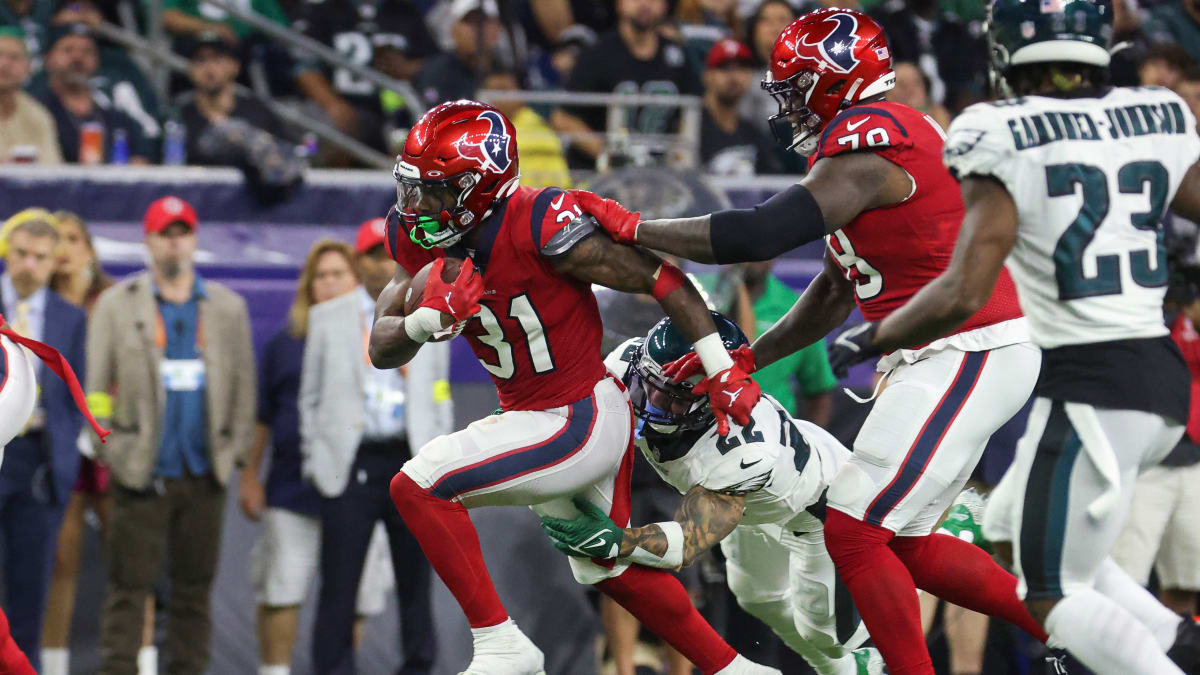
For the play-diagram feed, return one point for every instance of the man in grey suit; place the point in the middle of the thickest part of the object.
(357, 425)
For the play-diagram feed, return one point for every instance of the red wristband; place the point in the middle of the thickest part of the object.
(668, 278)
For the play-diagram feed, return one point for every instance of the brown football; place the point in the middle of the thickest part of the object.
(416, 289)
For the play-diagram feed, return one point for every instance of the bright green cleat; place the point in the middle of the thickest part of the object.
(965, 519)
(869, 661)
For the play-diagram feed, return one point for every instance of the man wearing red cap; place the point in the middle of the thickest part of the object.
(357, 425)
(174, 372)
(729, 145)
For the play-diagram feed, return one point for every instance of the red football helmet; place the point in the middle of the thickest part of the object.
(825, 61)
(458, 162)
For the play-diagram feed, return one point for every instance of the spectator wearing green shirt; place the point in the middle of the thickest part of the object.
(191, 18)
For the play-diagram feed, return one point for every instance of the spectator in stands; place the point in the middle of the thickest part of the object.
(192, 371)
(703, 22)
(564, 54)
(912, 89)
(1178, 22)
(79, 279)
(40, 465)
(193, 18)
(1164, 66)
(388, 35)
(1162, 532)
(31, 18)
(213, 69)
(542, 160)
(953, 60)
(730, 145)
(475, 32)
(284, 558)
(358, 425)
(634, 59)
(768, 21)
(27, 131)
(71, 62)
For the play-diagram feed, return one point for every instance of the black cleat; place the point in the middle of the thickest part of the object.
(1185, 651)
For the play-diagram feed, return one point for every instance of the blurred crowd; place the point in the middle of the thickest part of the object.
(68, 94)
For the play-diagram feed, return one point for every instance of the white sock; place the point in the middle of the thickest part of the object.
(275, 670)
(741, 665)
(148, 660)
(1106, 637)
(502, 627)
(56, 661)
(1116, 584)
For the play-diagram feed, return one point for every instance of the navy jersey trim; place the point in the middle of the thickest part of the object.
(852, 112)
(537, 214)
(491, 229)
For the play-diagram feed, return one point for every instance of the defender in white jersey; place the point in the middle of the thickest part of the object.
(1068, 180)
(759, 492)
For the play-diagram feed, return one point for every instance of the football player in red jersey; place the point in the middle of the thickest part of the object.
(523, 300)
(877, 191)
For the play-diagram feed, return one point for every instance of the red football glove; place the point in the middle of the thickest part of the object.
(731, 393)
(687, 366)
(459, 298)
(619, 221)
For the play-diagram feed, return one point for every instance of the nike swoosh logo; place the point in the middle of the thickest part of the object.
(558, 202)
(594, 541)
(851, 126)
(744, 465)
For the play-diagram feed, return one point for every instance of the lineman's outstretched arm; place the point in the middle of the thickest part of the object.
(832, 194)
(824, 306)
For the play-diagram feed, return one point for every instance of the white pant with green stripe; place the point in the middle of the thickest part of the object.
(1066, 496)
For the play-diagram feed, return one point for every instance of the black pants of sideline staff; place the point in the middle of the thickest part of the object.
(347, 522)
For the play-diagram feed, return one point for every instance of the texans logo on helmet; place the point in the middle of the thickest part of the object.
(838, 46)
(490, 149)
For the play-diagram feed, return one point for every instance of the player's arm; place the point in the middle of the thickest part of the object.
(988, 233)
(704, 518)
(832, 194)
(822, 307)
(1187, 197)
(390, 345)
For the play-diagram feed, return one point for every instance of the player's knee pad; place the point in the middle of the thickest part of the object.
(850, 486)
(428, 463)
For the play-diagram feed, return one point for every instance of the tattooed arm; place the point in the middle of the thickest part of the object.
(707, 517)
(597, 259)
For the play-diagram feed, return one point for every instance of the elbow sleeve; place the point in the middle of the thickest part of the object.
(778, 225)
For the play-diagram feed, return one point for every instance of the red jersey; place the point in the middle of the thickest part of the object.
(1183, 332)
(891, 252)
(538, 333)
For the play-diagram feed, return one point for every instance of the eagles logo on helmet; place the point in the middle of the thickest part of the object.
(822, 63)
(458, 163)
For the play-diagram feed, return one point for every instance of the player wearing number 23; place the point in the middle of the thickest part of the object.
(1067, 182)
(878, 193)
(522, 298)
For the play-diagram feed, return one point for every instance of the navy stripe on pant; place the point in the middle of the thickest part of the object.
(929, 438)
(1044, 513)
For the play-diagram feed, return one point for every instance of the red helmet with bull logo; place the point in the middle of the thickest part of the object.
(825, 61)
(459, 161)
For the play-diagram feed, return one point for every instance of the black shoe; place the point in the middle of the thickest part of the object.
(1056, 663)
(1185, 651)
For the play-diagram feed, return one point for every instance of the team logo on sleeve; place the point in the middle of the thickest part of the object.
(837, 46)
(488, 146)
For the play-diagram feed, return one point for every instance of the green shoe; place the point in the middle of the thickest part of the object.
(965, 519)
(869, 661)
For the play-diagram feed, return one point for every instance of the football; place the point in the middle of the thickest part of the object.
(416, 290)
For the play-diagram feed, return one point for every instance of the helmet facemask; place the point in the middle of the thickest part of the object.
(434, 212)
(665, 406)
(795, 126)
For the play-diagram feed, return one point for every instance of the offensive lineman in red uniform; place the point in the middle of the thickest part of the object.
(530, 259)
(889, 210)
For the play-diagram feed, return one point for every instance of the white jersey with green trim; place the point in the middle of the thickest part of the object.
(1092, 179)
(782, 465)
